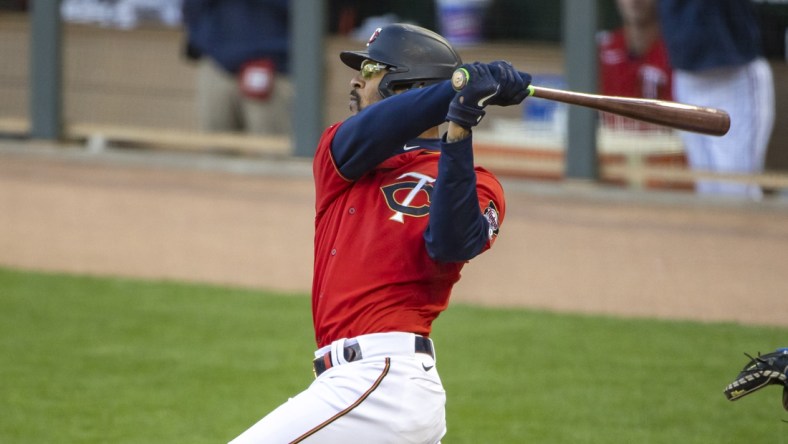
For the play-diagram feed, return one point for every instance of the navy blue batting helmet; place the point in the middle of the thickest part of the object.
(415, 56)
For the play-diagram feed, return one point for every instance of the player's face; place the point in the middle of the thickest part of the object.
(364, 86)
(637, 12)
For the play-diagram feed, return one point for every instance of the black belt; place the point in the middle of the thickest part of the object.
(353, 353)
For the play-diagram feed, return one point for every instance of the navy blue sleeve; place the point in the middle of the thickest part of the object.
(457, 230)
(377, 132)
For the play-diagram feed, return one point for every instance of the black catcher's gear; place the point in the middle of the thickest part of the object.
(761, 371)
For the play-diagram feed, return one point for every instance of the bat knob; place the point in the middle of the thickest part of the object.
(459, 79)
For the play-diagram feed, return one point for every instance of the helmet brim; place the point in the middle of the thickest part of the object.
(354, 59)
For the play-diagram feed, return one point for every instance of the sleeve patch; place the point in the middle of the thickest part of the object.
(491, 214)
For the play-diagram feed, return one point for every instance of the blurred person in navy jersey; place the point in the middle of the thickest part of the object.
(242, 47)
(715, 49)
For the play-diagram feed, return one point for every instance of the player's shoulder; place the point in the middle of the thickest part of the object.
(488, 179)
(327, 137)
(331, 130)
(482, 171)
(491, 196)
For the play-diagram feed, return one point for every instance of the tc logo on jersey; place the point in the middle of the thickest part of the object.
(409, 205)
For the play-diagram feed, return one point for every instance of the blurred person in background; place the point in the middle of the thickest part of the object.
(14, 5)
(242, 47)
(715, 49)
(633, 60)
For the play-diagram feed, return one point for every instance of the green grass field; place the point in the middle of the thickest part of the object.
(94, 360)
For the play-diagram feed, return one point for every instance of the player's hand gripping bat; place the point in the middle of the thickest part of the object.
(712, 121)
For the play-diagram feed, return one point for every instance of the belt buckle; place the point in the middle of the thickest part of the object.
(352, 352)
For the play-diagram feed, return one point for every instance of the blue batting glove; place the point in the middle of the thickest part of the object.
(514, 84)
(467, 107)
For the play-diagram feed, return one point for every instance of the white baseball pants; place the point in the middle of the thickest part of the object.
(391, 395)
(747, 94)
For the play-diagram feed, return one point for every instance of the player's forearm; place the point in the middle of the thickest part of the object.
(457, 230)
(375, 134)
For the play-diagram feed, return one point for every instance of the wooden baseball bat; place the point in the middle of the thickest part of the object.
(712, 121)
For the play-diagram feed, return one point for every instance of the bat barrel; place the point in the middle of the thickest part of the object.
(681, 116)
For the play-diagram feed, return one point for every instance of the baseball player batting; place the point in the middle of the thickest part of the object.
(399, 211)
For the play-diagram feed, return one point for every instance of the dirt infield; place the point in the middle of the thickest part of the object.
(249, 223)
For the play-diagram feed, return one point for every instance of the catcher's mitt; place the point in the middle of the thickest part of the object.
(761, 371)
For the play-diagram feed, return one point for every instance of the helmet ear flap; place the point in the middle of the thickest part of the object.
(385, 88)
(393, 87)
(390, 87)
(396, 82)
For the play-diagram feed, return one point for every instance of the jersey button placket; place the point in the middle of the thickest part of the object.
(333, 252)
(352, 211)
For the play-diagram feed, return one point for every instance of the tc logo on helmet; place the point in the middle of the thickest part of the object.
(374, 36)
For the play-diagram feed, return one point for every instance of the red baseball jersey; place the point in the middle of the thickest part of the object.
(623, 74)
(372, 273)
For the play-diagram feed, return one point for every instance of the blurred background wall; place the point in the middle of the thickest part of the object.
(131, 70)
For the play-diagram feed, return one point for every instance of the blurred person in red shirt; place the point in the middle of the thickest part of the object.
(633, 60)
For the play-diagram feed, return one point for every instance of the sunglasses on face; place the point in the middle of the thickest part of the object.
(370, 68)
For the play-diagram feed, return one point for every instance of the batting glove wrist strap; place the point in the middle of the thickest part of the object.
(761, 371)
(464, 115)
